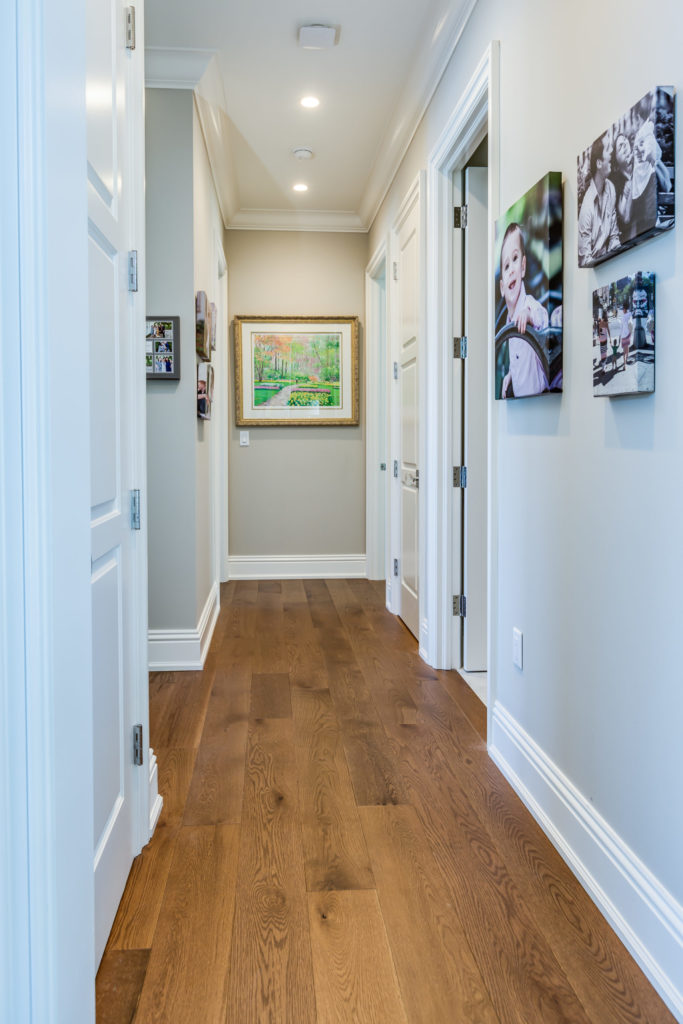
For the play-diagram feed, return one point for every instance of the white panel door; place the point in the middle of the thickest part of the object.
(475, 419)
(408, 321)
(112, 387)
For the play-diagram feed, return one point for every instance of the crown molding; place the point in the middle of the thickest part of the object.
(296, 220)
(175, 68)
(426, 72)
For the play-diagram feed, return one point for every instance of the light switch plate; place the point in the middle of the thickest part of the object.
(244, 438)
(517, 659)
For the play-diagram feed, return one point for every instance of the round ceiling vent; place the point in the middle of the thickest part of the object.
(302, 153)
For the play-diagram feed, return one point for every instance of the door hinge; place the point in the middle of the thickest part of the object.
(395, 371)
(137, 744)
(460, 605)
(417, 479)
(133, 270)
(396, 567)
(460, 476)
(396, 469)
(460, 348)
(130, 28)
(135, 510)
(459, 216)
(395, 265)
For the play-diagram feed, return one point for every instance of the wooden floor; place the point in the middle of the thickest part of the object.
(336, 845)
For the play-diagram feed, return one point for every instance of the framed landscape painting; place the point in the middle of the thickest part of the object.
(296, 371)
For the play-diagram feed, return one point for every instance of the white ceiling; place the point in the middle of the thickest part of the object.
(373, 87)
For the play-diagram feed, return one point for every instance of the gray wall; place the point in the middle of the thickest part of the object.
(589, 490)
(296, 490)
(184, 231)
(171, 405)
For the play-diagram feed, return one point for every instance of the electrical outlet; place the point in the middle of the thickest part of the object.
(244, 438)
(517, 647)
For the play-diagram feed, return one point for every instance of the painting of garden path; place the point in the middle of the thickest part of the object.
(297, 370)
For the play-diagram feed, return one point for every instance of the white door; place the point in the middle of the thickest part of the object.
(111, 96)
(408, 290)
(475, 419)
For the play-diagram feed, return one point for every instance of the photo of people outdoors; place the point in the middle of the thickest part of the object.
(204, 390)
(625, 180)
(162, 356)
(528, 293)
(624, 336)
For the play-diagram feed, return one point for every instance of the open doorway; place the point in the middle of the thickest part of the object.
(470, 427)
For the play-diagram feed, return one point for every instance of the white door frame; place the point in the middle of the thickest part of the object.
(376, 416)
(221, 427)
(46, 766)
(414, 194)
(475, 114)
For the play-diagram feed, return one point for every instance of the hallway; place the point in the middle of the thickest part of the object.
(336, 844)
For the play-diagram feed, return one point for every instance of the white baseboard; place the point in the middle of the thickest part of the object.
(155, 800)
(179, 650)
(297, 567)
(643, 913)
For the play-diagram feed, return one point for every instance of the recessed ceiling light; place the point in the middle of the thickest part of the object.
(301, 187)
(310, 101)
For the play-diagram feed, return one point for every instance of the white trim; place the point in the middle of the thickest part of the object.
(155, 800)
(643, 913)
(185, 650)
(473, 114)
(297, 567)
(296, 220)
(174, 67)
(426, 70)
(376, 409)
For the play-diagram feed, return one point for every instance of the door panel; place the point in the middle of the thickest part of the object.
(408, 290)
(476, 422)
(111, 388)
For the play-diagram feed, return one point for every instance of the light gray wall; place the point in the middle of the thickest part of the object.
(296, 490)
(589, 492)
(171, 405)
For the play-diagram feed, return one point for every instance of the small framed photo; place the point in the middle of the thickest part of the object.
(204, 390)
(162, 348)
(203, 326)
(214, 319)
(624, 336)
(296, 370)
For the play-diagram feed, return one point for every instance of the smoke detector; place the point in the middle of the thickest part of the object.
(317, 37)
(302, 153)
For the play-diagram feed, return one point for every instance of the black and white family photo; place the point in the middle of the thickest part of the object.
(624, 336)
(625, 180)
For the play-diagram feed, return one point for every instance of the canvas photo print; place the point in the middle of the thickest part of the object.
(625, 180)
(296, 370)
(528, 293)
(204, 390)
(624, 336)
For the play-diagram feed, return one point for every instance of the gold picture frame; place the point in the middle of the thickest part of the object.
(296, 371)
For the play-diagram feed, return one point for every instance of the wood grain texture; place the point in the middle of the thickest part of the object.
(334, 847)
(140, 906)
(444, 901)
(118, 985)
(355, 978)
(187, 974)
(270, 696)
(437, 973)
(271, 974)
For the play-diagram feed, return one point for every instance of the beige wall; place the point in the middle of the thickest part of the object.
(296, 490)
